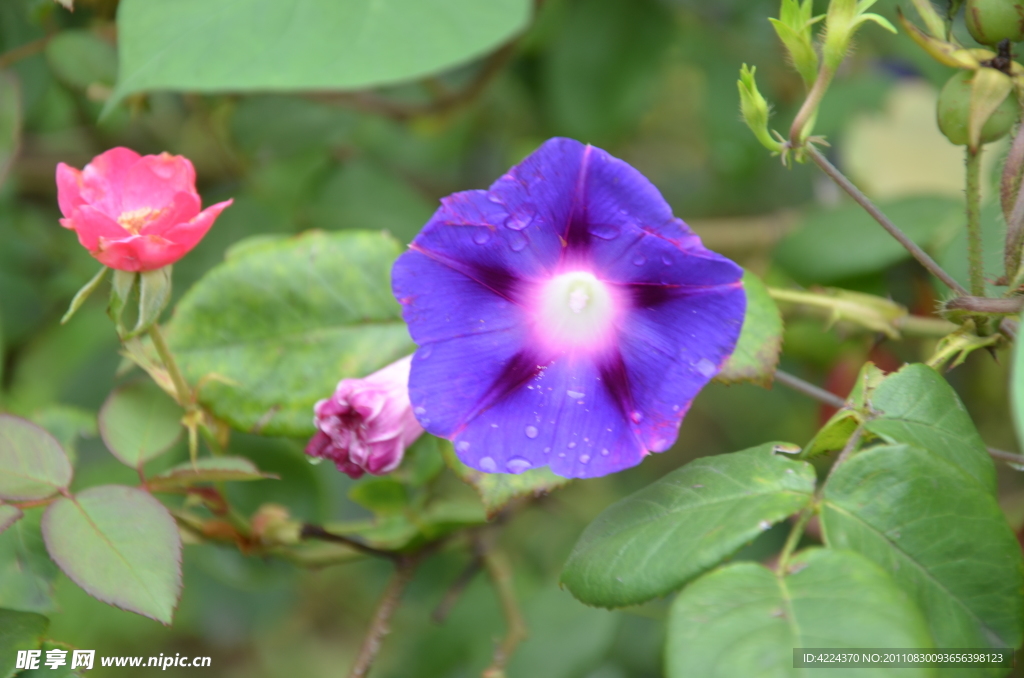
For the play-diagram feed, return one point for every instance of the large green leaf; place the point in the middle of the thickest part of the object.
(32, 463)
(10, 122)
(26, 571)
(497, 490)
(267, 45)
(19, 631)
(746, 620)
(760, 343)
(840, 243)
(139, 422)
(918, 407)
(120, 545)
(284, 321)
(654, 541)
(942, 537)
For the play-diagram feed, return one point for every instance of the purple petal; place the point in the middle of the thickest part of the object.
(565, 418)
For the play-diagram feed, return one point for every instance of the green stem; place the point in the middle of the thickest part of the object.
(167, 358)
(798, 132)
(793, 539)
(975, 250)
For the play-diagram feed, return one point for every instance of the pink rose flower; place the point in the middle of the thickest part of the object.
(132, 212)
(367, 424)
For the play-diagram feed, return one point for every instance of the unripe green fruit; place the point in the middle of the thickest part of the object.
(992, 21)
(955, 112)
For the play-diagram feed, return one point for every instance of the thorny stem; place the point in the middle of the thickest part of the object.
(381, 624)
(855, 193)
(975, 249)
(987, 305)
(809, 389)
(501, 575)
(180, 385)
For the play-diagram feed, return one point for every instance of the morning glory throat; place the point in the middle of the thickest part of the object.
(576, 310)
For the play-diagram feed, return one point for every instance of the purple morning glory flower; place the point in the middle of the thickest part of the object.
(564, 317)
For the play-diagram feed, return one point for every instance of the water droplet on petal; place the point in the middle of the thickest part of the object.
(675, 408)
(666, 259)
(572, 445)
(462, 445)
(482, 235)
(424, 422)
(706, 367)
(584, 458)
(575, 394)
(636, 417)
(419, 410)
(605, 452)
(487, 465)
(517, 241)
(604, 231)
(424, 352)
(547, 450)
(518, 465)
(522, 217)
(531, 432)
(639, 260)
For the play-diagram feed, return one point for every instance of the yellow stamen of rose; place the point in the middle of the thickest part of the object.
(135, 220)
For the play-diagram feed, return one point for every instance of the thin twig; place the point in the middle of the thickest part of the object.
(809, 389)
(453, 593)
(986, 304)
(501, 575)
(1003, 455)
(381, 624)
(11, 57)
(855, 193)
(316, 532)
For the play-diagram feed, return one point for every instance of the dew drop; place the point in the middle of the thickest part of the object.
(547, 450)
(764, 525)
(517, 241)
(462, 445)
(575, 394)
(572, 445)
(425, 352)
(584, 458)
(636, 417)
(666, 259)
(639, 260)
(675, 408)
(487, 465)
(522, 218)
(605, 452)
(482, 235)
(518, 465)
(315, 461)
(424, 421)
(706, 367)
(531, 432)
(419, 410)
(605, 231)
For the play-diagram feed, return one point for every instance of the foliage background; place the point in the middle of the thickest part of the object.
(653, 82)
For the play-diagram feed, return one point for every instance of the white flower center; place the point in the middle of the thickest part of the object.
(576, 309)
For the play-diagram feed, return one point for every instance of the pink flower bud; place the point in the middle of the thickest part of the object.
(367, 424)
(132, 212)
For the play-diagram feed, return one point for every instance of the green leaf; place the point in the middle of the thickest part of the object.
(917, 406)
(380, 495)
(10, 122)
(655, 540)
(943, 539)
(81, 58)
(120, 545)
(32, 463)
(206, 470)
(67, 424)
(746, 620)
(760, 343)
(26, 571)
(19, 631)
(841, 243)
(139, 422)
(285, 321)
(8, 516)
(497, 490)
(290, 45)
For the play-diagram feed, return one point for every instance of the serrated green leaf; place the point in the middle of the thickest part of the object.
(26, 571)
(655, 540)
(942, 538)
(289, 45)
(139, 422)
(8, 516)
(285, 321)
(19, 631)
(745, 620)
(917, 406)
(206, 470)
(134, 564)
(32, 463)
(67, 424)
(760, 343)
(497, 490)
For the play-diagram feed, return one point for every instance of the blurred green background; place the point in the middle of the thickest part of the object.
(651, 81)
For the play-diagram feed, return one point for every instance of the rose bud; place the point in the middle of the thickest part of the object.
(132, 212)
(368, 423)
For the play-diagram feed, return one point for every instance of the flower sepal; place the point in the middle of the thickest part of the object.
(151, 298)
(83, 294)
